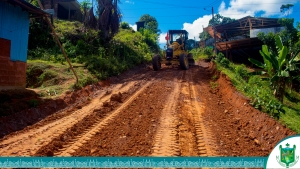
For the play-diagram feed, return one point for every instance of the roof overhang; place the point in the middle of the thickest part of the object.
(239, 44)
(70, 4)
(242, 25)
(31, 9)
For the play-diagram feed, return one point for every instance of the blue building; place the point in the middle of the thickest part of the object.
(14, 29)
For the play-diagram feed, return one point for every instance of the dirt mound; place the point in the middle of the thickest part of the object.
(117, 97)
(240, 129)
(37, 109)
(12, 101)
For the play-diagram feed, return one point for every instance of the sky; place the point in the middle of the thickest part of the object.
(193, 15)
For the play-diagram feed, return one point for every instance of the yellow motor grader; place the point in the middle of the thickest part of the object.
(176, 51)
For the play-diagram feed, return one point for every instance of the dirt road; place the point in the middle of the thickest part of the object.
(170, 112)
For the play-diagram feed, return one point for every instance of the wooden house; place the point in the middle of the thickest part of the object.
(238, 40)
(14, 29)
(64, 9)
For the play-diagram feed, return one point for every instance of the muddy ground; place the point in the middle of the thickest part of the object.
(170, 112)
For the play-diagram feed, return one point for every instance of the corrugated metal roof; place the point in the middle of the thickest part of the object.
(241, 26)
(72, 4)
(32, 10)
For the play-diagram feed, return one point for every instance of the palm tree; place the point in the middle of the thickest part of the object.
(109, 17)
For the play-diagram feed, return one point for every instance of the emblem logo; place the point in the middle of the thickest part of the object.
(287, 156)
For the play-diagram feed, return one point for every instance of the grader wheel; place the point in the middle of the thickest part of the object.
(156, 62)
(191, 59)
(183, 60)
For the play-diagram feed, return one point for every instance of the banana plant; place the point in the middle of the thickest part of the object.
(278, 66)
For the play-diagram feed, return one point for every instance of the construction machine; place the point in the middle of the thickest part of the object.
(176, 51)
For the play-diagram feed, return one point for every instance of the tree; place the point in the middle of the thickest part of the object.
(288, 35)
(219, 19)
(150, 38)
(297, 45)
(85, 5)
(150, 23)
(204, 35)
(124, 25)
(285, 7)
(109, 18)
(279, 66)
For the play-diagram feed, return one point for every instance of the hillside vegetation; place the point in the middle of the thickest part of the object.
(93, 57)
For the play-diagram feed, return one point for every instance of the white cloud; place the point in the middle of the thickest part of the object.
(238, 9)
(129, 2)
(236, 12)
(196, 27)
(241, 8)
(162, 38)
(134, 27)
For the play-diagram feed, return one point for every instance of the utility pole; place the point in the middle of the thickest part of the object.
(213, 25)
(58, 42)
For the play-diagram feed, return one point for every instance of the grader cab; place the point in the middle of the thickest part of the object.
(176, 51)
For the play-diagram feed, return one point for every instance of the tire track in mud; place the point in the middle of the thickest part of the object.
(28, 143)
(203, 135)
(132, 131)
(183, 132)
(166, 141)
(186, 128)
(76, 143)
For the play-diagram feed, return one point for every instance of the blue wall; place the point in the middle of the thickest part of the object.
(14, 26)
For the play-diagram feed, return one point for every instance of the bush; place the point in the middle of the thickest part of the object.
(202, 53)
(33, 73)
(88, 80)
(242, 71)
(208, 51)
(126, 50)
(46, 75)
(225, 62)
(255, 80)
(219, 57)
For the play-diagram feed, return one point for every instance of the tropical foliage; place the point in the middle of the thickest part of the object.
(279, 66)
(150, 23)
(103, 58)
(219, 19)
(204, 35)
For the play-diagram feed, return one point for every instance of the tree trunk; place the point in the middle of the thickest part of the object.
(280, 89)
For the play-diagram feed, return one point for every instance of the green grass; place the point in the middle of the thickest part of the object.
(52, 79)
(201, 54)
(213, 85)
(261, 94)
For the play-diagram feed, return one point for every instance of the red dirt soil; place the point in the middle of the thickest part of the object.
(217, 122)
(240, 129)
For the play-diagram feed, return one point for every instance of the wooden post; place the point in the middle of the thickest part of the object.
(58, 42)
(226, 51)
(215, 41)
(61, 47)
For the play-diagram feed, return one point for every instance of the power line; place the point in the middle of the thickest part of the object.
(213, 3)
(166, 16)
(179, 6)
(159, 3)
